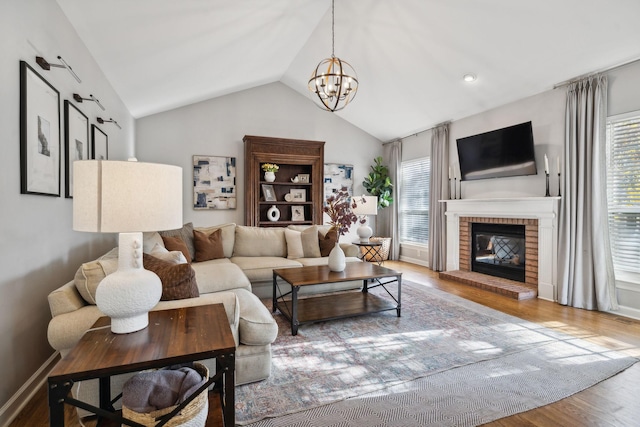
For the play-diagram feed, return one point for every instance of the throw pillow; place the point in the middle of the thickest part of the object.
(302, 244)
(90, 274)
(327, 242)
(176, 244)
(208, 246)
(173, 257)
(178, 280)
(186, 233)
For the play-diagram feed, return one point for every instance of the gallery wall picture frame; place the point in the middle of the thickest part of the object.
(303, 178)
(214, 182)
(298, 195)
(99, 144)
(39, 134)
(268, 192)
(297, 213)
(76, 142)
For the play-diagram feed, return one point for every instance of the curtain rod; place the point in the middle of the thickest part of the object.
(419, 132)
(593, 73)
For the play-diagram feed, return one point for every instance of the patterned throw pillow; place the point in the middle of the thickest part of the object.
(178, 280)
(208, 246)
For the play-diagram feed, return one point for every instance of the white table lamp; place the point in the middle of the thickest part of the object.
(365, 206)
(127, 198)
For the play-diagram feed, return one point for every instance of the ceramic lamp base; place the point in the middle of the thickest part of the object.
(127, 295)
(364, 232)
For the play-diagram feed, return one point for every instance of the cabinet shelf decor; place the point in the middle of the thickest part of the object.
(298, 185)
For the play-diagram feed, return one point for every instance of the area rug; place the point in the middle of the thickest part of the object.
(446, 361)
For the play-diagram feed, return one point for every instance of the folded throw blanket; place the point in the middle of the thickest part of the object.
(150, 391)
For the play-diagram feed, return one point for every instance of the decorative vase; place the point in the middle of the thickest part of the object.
(273, 214)
(337, 260)
(269, 176)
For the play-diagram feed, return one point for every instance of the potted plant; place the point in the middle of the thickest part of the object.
(270, 170)
(378, 183)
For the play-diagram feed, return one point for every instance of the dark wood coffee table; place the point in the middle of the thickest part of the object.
(336, 305)
(173, 337)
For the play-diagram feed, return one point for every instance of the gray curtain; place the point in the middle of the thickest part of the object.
(586, 278)
(388, 217)
(438, 190)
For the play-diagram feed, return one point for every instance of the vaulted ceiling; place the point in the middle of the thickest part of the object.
(410, 55)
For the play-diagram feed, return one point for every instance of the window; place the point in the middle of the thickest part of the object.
(414, 201)
(623, 192)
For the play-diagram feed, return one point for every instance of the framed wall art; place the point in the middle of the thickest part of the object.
(39, 134)
(99, 144)
(214, 182)
(337, 176)
(298, 195)
(76, 142)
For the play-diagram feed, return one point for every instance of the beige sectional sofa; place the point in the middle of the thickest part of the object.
(238, 280)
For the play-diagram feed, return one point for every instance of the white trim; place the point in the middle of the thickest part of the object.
(625, 311)
(415, 261)
(19, 400)
(623, 116)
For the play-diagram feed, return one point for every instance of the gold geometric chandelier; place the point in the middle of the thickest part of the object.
(334, 82)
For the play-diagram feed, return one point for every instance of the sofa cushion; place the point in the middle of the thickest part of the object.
(260, 242)
(175, 243)
(228, 236)
(308, 262)
(90, 274)
(219, 275)
(178, 280)
(186, 233)
(257, 325)
(261, 268)
(149, 240)
(208, 246)
(302, 244)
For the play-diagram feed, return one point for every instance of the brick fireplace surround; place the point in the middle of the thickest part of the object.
(539, 215)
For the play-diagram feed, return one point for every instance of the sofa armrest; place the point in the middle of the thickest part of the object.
(65, 330)
(350, 250)
(65, 299)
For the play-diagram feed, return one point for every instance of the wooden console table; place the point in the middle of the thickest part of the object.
(173, 337)
(338, 305)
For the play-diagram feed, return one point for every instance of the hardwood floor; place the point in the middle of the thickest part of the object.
(613, 402)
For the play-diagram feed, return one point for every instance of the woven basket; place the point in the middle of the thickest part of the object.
(383, 250)
(193, 415)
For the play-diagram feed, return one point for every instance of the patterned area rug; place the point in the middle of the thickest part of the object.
(446, 361)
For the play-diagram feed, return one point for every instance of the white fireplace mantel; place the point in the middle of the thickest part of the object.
(544, 209)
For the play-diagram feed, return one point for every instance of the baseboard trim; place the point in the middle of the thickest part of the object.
(625, 311)
(12, 408)
(414, 261)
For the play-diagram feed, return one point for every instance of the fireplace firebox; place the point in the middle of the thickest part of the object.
(498, 250)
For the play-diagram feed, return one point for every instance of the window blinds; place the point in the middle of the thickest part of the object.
(414, 201)
(623, 191)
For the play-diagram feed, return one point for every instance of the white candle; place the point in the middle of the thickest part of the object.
(546, 164)
(449, 172)
(558, 161)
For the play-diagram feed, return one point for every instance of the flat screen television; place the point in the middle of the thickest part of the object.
(496, 154)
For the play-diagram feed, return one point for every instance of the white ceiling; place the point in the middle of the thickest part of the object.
(410, 55)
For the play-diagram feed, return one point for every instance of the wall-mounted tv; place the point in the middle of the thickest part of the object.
(499, 153)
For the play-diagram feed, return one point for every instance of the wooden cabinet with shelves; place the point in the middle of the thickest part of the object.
(294, 157)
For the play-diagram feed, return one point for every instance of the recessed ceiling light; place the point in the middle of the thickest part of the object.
(469, 77)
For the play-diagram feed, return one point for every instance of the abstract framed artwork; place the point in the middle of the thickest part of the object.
(214, 182)
(76, 142)
(337, 176)
(39, 134)
(99, 144)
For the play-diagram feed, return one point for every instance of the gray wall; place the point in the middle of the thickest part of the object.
(216, 128)
(40, 251)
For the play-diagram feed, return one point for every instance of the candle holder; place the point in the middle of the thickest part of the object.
(547, 191)
(455, 188)
(449, 191)
(559, 194)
